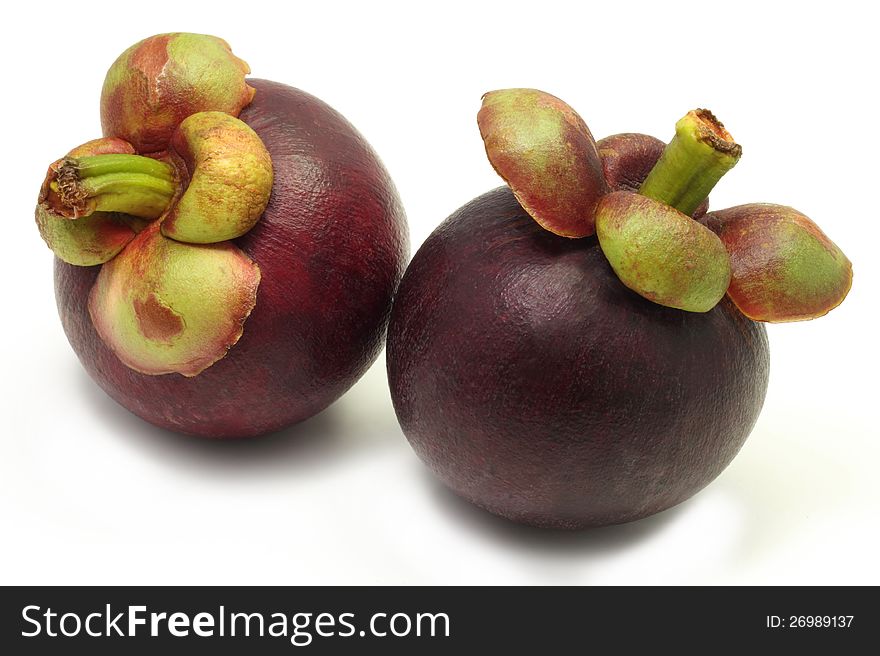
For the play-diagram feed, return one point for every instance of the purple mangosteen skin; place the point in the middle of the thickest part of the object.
(331, 248)
(537, 386)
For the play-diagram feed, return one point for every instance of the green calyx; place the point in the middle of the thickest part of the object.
(157, 201)
(773, 262)
(89, 240)
(661, 253)
(173, 292)
(158, 82)
(68, 214)
(546, 155)
(169, 307)
(230, 179)
(784, 268)
(650, 239)
(93, 202)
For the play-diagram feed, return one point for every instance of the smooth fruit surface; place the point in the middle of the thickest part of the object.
(537, 386)
(330, 248)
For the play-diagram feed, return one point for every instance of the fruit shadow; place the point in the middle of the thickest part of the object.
(600, 541)
(784, 487)
(326, 437)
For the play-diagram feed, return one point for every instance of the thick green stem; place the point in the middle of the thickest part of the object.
(135, 185)
(699, 155)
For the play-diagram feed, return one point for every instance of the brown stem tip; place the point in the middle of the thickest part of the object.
(712, 132)
(66, 196)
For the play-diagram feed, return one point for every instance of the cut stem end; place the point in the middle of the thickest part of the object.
(132, 184)
(698, 156)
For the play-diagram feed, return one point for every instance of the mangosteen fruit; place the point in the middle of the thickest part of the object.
(573, 382)
(226, 254)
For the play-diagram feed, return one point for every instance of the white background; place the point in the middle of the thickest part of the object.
(91, 494)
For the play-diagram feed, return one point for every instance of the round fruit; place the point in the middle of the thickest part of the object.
(220, 318)
(539, 387)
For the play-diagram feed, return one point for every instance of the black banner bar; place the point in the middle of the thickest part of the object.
(278, 620)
